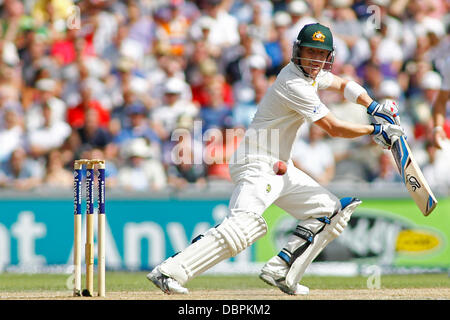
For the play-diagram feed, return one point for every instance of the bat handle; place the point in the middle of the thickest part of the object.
(395, 138)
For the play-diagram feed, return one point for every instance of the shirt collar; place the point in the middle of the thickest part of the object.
(300, 74)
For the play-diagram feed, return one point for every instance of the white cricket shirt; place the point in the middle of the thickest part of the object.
(291, 101)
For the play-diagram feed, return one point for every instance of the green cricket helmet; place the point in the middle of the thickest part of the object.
(314, 35)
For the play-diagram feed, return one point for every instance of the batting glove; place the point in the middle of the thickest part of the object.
(384, 113)
(384, 134)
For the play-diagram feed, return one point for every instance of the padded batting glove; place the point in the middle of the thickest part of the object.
(384, 113)
(383, 134)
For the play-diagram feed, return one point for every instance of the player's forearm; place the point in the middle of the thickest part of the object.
(439, 108)
(343, 129)
(351, 130)
(364, 99)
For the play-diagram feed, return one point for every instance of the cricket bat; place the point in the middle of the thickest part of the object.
(413, 177)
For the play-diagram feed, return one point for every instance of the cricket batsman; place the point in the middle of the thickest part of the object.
(291, 101)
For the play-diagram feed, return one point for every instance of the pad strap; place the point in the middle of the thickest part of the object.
(326, 234)
(229, 238)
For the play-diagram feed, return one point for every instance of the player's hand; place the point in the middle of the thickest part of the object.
(384, 134)
(439, 135)
(384, 113)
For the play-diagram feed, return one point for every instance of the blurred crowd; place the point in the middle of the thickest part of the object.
(131, 81)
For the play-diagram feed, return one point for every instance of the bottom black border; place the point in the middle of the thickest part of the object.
(224, 309)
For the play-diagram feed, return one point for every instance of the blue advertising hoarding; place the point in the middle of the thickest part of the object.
(139, 233)
(36, 234)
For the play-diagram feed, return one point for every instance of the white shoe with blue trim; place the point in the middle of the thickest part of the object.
(280, 282)
(166, 284)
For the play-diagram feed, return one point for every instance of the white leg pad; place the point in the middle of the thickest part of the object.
(330, 232)
(232, 236)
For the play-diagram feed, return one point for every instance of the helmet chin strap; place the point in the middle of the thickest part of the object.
(306, 74)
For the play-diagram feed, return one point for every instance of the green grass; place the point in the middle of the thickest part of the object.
(136, 281)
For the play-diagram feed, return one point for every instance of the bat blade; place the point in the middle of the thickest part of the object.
(412, 177)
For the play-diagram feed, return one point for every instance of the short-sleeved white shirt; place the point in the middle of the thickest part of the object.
(291, 101)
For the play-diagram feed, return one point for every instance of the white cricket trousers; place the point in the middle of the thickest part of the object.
(257, 187)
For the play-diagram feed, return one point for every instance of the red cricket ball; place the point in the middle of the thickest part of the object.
(280, 168)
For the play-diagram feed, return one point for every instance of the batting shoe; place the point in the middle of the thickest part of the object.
(166, 284)
(280, 282)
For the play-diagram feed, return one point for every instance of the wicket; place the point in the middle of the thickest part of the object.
(89, 246)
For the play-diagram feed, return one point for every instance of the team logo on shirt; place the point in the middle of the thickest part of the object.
(318, 36)
(268, 188)
(316, 109)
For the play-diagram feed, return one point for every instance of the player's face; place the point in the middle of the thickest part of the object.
(313, 60)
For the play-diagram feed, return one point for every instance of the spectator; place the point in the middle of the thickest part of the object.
(186, 171)
(45, 12)
(138, 127)
(248, 99)
(110, 50)
(56, 175)
(50, 135)
(76, 115)
(387, 51)
(184, 136)
(20, 172)
(12, 135)
(216, 114)
(165, 117)
(104, 24)
(127, 79)
(63, 48)
(437, 169)
(142, 28)
(34, 57)
(169, 67)
(173, 27)
(223, 29)
(420, 103)
(12, 13)
(345, 22)
(387, 171)
(199, 53)
(46, 93)
(314, 156)
(373, 77)
(92, 134)
(300, 15)
(360, 165)
(143, 170)
(10, 81)
(391, 90)
(95, 73)
(275, 42)
(220, 145)
(210, 74)
(393, 25)
(239, 58)
(255, 69)
(119, 115)
(200, 31)
(246, 10)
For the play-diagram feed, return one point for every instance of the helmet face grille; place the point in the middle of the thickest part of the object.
(297, 59)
